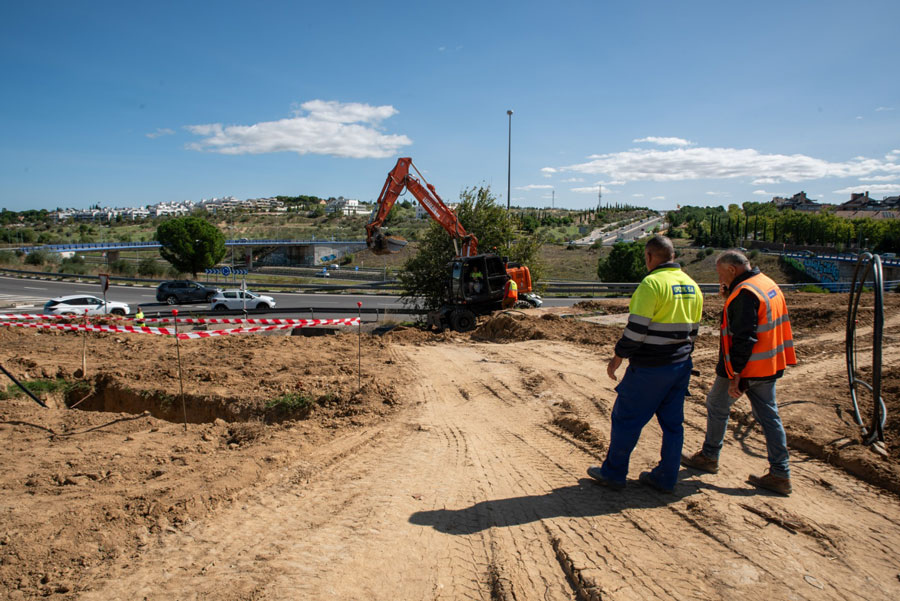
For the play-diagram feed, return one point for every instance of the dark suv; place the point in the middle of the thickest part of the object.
(184, 291)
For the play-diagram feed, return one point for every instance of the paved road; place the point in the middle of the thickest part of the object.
(30, 295)
(631, 230)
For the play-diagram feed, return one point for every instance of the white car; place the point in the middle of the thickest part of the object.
(75, 304)
(237, 300)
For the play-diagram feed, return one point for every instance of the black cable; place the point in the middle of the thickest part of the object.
(868, 266)
(19, 384)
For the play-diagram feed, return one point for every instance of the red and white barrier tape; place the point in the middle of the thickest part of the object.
(352, 321)
(261, 321)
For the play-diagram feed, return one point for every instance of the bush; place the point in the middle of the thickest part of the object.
(7, 257)
(149, 268)
(812, 288)
(38, 257)
(73, 265)
(709, 251)
(701, 254)
(122, 267)
(753, 254)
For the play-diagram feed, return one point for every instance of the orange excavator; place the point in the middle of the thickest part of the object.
(476, 281)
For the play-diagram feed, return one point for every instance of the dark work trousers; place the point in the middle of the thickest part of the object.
(643, 393)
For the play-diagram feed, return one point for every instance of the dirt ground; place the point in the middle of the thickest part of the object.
(452, 466)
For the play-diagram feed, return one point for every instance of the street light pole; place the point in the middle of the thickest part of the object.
(509, 161)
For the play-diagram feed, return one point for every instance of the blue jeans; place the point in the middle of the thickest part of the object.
(643, 393)
(762, 402)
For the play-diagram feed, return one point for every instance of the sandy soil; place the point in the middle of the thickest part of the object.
(451, 467)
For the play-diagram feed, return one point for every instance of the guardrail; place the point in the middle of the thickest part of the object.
(555, 288)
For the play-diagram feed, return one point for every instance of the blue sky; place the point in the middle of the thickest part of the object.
(660, 103)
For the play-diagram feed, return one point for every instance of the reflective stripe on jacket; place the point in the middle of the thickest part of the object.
(774, 347)
(664, 317)
(511, 289)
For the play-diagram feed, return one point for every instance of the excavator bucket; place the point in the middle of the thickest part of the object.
(384, 244)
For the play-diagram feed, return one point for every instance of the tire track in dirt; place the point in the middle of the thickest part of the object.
(741, 556)
(479, 498)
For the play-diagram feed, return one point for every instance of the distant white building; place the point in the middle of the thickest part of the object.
(347, 206)
(421, 213)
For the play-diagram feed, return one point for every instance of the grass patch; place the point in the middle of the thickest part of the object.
(40, 388)
(289, 405)
(812, 288)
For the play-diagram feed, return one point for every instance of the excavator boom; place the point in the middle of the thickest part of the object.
(397, 180)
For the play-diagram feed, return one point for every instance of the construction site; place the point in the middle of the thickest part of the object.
(409, 464)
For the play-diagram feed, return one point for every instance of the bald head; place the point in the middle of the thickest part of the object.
(661, 249)
(730, 264)
(735, 258)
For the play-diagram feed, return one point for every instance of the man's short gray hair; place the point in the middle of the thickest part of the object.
(733, 257)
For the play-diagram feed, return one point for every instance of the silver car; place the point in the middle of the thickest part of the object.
(237, 300)
(77, 304)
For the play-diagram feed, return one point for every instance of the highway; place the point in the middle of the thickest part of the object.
(629, 231)
(29, 295)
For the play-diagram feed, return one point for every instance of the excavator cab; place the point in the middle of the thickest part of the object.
(477, 281)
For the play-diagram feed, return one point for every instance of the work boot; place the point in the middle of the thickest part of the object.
(701, 462)
(647, 479)
(594, 472)
(770, 482)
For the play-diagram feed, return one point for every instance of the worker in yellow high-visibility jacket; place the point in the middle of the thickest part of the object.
(664, 318)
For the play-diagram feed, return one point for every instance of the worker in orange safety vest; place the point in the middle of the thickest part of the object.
(756, 346)
(510, 293)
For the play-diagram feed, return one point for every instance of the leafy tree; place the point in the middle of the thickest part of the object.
(625, 263)
(190, 244)
(424, 277)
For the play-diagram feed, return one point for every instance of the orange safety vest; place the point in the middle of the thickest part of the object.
(774, 348)
(511, 289)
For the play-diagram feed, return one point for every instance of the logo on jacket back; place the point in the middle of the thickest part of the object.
(683, 289)
(772, 293)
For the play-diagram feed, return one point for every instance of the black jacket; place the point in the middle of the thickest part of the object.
(743, 315)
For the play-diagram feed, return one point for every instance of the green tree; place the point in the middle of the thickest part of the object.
(190, 244)
(625, 263)
(424, 277)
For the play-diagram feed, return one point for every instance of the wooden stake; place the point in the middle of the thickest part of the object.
(359, 347)
(84, 348)
(180, 378)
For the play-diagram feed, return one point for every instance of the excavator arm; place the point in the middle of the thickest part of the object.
(398, 179)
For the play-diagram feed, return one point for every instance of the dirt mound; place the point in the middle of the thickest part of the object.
(606, 307)
(517, 327)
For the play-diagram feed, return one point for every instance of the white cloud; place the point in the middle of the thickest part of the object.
(548, 171)
(764, 193)
(318, 127)
(658, 198)
(535, 187)
(859, 117)
(639, 195)
(572, 180)
(665, 141)
(882, 178)
(872, 189)
(160, 131)
(881, 109)
(592, 190)
(726, 163)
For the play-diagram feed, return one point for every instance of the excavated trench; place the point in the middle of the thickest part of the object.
(109, 396)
